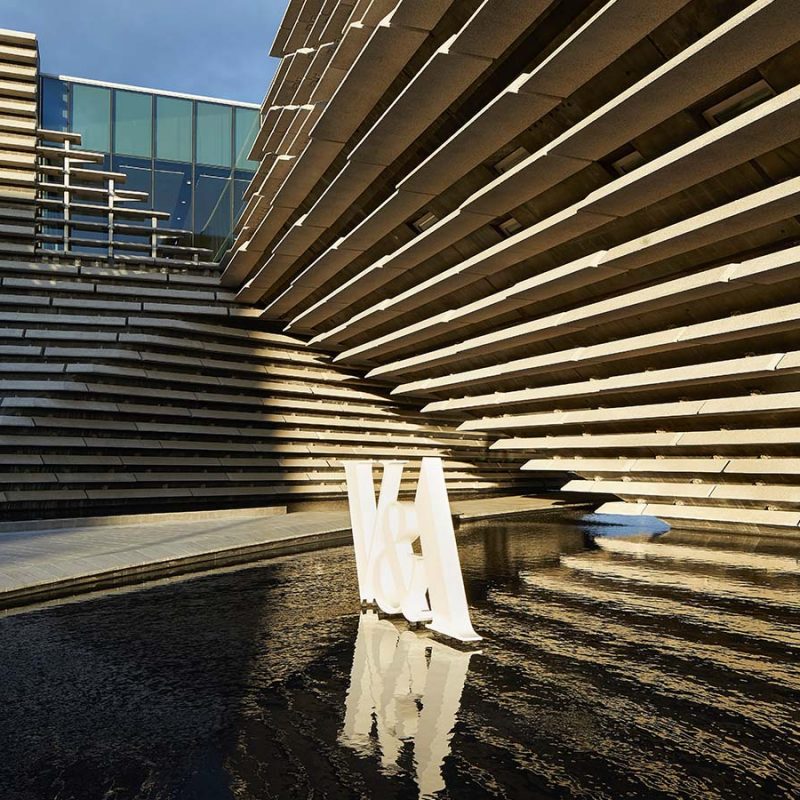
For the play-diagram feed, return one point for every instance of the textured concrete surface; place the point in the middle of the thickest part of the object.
(46, 563)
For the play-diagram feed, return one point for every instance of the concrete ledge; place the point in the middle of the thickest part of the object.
(157, 570)
(137, 519)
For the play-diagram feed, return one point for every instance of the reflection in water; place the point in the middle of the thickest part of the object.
(390, 679)
(661, 667)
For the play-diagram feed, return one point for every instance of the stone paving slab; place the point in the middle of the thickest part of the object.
(504, 506)
(37, 565)
(41, 564)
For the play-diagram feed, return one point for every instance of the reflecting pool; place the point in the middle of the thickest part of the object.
(616, 667)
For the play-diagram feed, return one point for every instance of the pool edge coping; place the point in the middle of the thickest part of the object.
(141, 574)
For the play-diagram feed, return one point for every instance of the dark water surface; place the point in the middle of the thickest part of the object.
(638, 669)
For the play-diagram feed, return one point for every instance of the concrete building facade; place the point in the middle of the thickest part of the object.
(575, 224)
(132, 380)
(554, 241)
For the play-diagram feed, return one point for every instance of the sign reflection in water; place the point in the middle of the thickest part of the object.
(390, 679)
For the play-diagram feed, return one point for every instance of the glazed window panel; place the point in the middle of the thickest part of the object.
(214, 124)
(139, 174)
(212, 208)
(55, 104)
(247, 120)
(174, 129)
(91, 116)
(240, 184)
(133, 124)
(173, 193)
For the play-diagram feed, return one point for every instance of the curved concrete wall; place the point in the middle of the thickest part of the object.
(577, 230)
(138, 383)
(134, 387)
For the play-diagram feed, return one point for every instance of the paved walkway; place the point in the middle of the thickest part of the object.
(503, 506)
(39, 564)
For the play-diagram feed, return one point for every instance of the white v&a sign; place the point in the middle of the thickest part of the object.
(424, 588)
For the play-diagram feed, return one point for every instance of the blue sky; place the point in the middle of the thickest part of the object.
(217, 48)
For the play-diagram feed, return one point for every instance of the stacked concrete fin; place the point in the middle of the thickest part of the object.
(135, 386)
(83, 209)
(19, 58)
(575, 225)
(130, 379)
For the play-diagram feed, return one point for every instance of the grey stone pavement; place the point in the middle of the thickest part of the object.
(38, 563)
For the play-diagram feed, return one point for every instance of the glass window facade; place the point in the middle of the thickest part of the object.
(189, 155)
(91, 115)
(246, 130)
(139, 173)
(214, 135)
(133, 123)
(241, 179)
(55, 104)
(212, 213)
(174, 127)
(172, 192)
